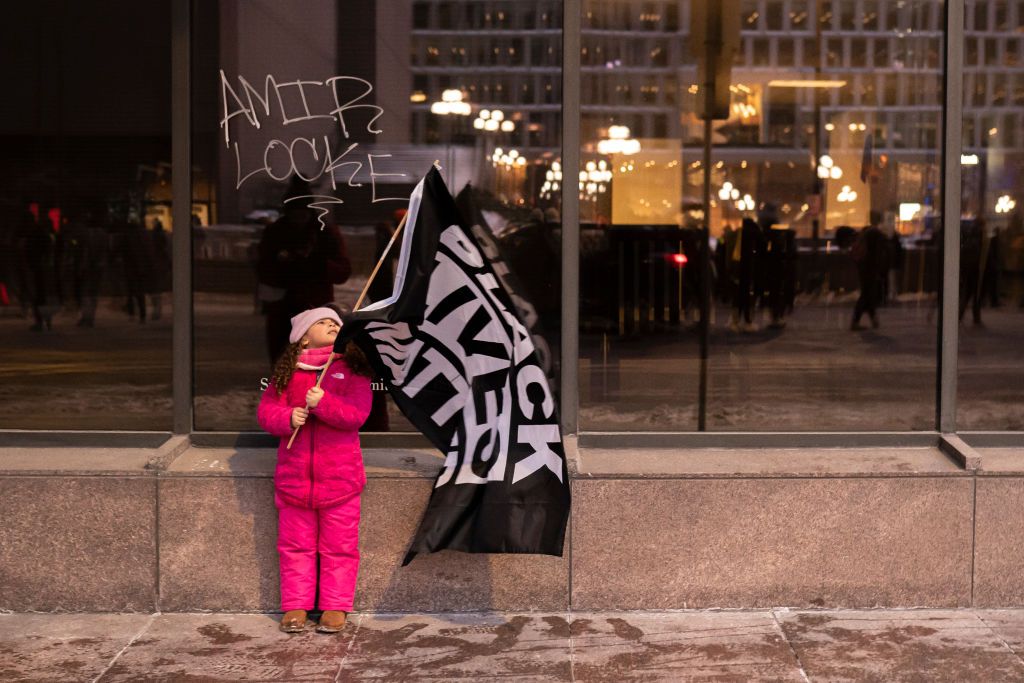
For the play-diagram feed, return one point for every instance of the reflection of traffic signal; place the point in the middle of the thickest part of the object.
(714, 41)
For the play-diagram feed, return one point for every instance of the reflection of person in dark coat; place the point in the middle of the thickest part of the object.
(138, 267)
(748, 282)
(870, 252)
(87, 242)
(161, 276)
(979, 253)
(897, 257)
(991, 270)
(298, 264)
(36, 242)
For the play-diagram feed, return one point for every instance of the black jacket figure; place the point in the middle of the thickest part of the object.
(750, 251)
(36, 242)
(299, 262)
(870, 252)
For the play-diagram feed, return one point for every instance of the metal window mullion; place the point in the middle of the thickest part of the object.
(570, 215)
(181, 213)
(952, 123)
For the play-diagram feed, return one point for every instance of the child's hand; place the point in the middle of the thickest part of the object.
(299, 416)
(313, 397)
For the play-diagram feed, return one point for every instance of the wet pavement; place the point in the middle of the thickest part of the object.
(740, 646)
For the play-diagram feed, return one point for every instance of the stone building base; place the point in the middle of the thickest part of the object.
(194, 530)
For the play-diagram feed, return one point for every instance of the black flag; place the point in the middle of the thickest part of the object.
(462, 366)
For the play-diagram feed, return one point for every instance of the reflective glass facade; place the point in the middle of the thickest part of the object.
(806, 296)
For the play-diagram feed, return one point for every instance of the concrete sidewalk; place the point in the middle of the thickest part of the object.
(741, 646)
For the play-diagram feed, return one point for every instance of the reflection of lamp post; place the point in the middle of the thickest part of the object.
(493, 120)
(618, 142)
(510, 162)
(827, 168)
(552, 180)
(1005, 204)
(450, 104)
(847, 196)
(594, 179)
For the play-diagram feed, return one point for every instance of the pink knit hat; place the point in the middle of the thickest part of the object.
(303, 321)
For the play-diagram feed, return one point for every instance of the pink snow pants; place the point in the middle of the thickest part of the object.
(332, 534)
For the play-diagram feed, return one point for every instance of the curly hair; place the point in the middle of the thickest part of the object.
(289, 360)
(356, 360)
(285, 366)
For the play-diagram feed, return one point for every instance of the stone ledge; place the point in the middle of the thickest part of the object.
(1001, 461)
(259, 462)
(788, 463)
(177, 458)
(119, 462)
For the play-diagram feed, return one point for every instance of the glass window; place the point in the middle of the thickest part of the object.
(775, 13)
(312, 124)
(991, 361)
(821, 278)
(85, 216)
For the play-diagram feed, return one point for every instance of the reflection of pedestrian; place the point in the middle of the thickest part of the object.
(991, 268)
(977, 267)
(897, 257)
(160, 281)
(87, 243)
(135, 255)
(298, 264)
(746, 254)
(36, 242)
(871, 255)
(778, 265)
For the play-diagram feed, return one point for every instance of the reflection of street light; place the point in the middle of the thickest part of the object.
(1005, 204)
(618, 142)
(552, 180)
(827, 168)
(846, 194)
(451, 103)
(493, 120)
(509, 160)
(728, 192)
(594, 179)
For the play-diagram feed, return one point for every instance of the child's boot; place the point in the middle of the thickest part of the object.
(294, 621)
(332, 621)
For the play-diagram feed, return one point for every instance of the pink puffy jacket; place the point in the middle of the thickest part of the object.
(324, 466)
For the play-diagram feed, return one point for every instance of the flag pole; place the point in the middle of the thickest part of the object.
(355, 308)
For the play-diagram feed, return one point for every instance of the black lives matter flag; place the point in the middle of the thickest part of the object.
(463, 368)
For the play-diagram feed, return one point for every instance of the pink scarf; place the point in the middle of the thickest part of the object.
(315, 359)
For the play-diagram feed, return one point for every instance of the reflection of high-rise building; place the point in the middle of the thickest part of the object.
(880, 63)
(504, 56)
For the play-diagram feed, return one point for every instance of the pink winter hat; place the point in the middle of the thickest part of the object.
(303, 321)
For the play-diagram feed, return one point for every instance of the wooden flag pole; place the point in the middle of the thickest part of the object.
(359, 302)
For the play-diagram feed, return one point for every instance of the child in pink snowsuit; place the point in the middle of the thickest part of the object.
(318, 480)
